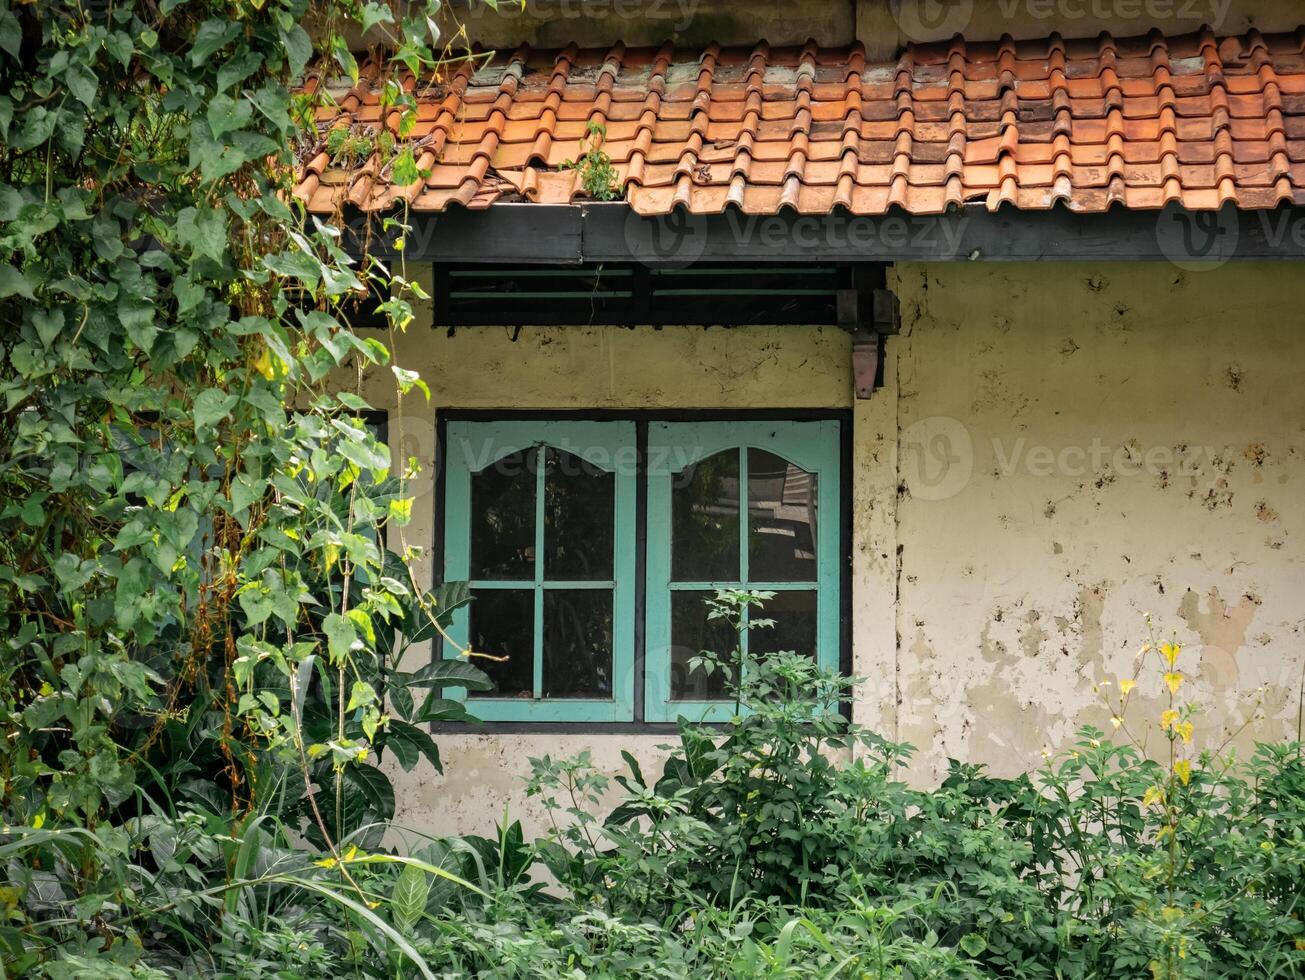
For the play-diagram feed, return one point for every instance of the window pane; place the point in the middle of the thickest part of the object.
(577, 643)
(691, 634)
(503, 518)
(503, 625)
(794, 631)
(579, 515)
(781, 520)
(705, 520)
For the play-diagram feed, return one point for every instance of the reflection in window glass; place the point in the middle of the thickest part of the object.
(503, 625)
(692, 633)
(705, 520)
(577, 643)
(503, 518)
(795, 617)
(781, 520)
(579, 512)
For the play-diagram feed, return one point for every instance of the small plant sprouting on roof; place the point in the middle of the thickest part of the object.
(350, 148)
(597, 174)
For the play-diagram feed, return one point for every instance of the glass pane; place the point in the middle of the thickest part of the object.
(579, 515)
(577, 643)
(691, 634)
(503, 625)
(781, 520)
(503, 518)
(705, 520)
(794, 631)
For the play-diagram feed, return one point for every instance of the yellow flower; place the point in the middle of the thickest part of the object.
(1125, 686)
(1153, 795)
(1185, 730)
(1168, 718)
(1183, 770)
(1170, 651)
(1173, 680)
(1116, 721)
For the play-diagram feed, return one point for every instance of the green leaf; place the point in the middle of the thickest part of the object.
(244, 491)
(14, 283)
(374, 788)
(137, 317)
(212, 35)
(204, 231)
(48, 324)
(408, 900)
(298, 48)
(450, 673)
(340, 636)
(11, 34)
(226, 115)
(375, 13)
(439, 607)
(81, 83)
(436, 709)
(212, 405)
(409, 743)
(119, 46)
(238, 69)
(972, 944)
(256, 605)
(360, 695)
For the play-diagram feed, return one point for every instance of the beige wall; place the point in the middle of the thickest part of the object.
(1027, 565)
(1058, 450)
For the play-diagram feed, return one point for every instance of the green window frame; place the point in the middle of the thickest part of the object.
(607, 446)
(646, 458)
(814, 447)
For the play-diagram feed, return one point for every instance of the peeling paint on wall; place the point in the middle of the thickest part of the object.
(1130, 438)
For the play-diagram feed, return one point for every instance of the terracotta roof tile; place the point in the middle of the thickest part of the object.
(1087, 122)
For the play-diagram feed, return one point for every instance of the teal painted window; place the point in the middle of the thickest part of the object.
(540, 520)
(746, 505)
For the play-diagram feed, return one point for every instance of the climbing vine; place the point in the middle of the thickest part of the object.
(204, 580)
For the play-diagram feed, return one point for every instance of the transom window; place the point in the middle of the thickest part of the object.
(544, 517)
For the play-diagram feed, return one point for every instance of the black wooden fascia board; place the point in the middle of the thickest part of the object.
(595, 233)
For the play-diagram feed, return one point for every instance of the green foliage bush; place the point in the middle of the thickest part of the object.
(786, 843)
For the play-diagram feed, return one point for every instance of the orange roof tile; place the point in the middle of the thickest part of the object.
(1140, 121)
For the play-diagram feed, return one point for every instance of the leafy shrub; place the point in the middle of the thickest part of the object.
(1104, 863)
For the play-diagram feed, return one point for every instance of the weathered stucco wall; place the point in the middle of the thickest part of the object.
(1081, 445)
(1058, 450)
